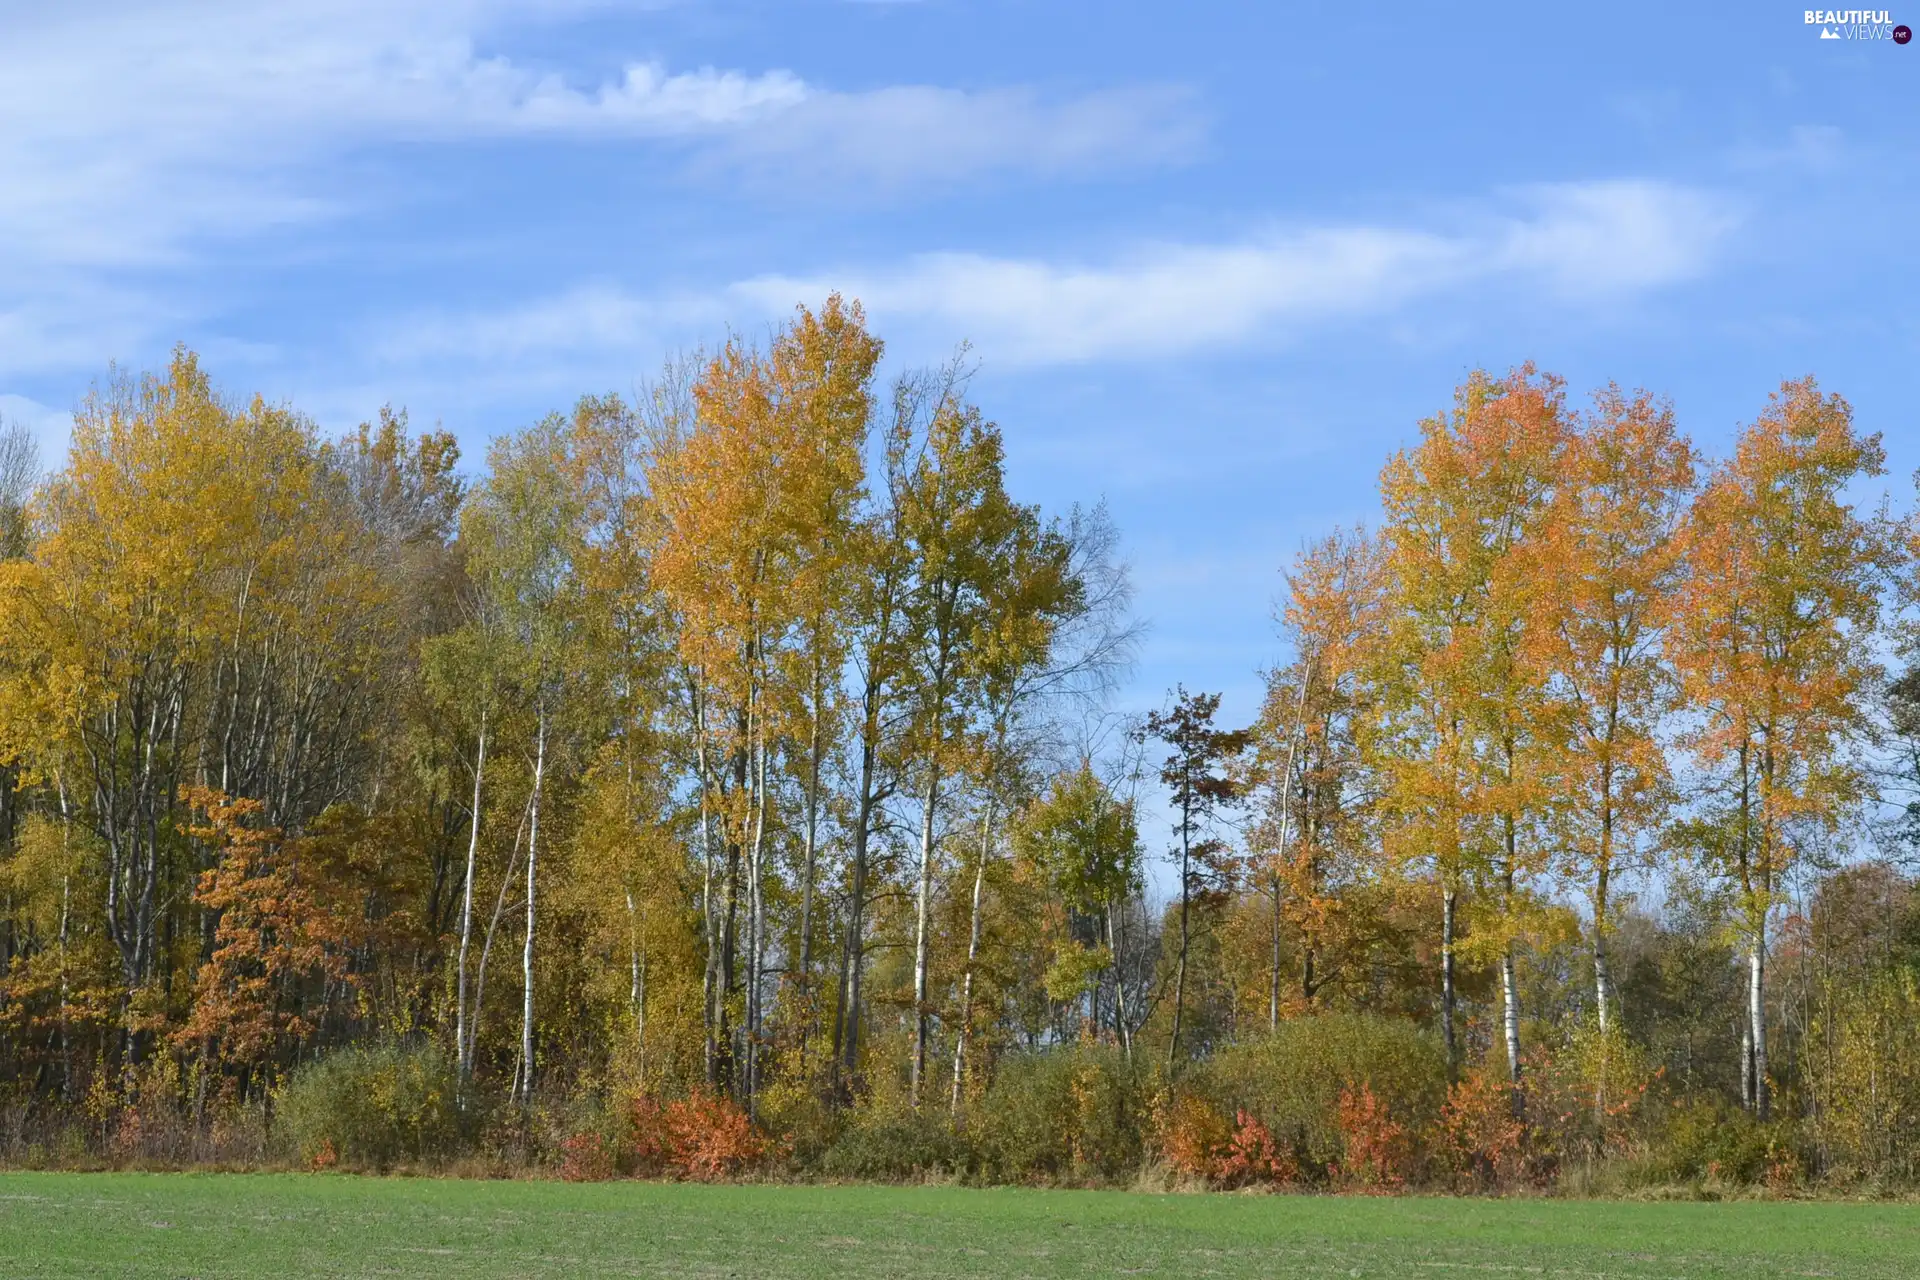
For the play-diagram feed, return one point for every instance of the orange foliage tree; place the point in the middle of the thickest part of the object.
(281, 943)
(1605, 566)
(1772, 639)
(1469, 739)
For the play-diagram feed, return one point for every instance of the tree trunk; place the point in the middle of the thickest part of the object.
(636, 984)
(1509, 987)
(1448, 903)
(709, 919)
(66, 900)
(526, 951)
(756, 921)
(1602, 976)
(1602, 979)
(1180, 968)
(1280, 858)
(493, 924)
(846, 1019)
(1757, 1020)
(1510, 1014)
(1273, 985)
(462, 1048)
(973, 954)
(922, 942)
(809, 858)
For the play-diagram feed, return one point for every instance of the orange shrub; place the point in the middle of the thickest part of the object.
(1483, 1140)
(1378, 1153)
(1192, 1136)
(646, 1138)
(701, 1138)
(1251, 1155)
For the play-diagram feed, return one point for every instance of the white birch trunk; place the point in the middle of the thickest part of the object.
(921, 941)
(636, 983)
(1510, 1013)
(973, 955)
(1280, 858)
(526, 953)
(1757, 1019)
(462, 1045)
(1448, 901)
(756, 919)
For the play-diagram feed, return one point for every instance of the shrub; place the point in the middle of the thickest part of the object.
(891, 1147)
(586, 1157)
(1292, 1081)
(1376, 1154)
(1192, 1135)
(1482, 1141)
(701, 1138)
(1719, 1143)
(807, 1124)
(371, 1108)
(1252, 1156)
(1072, 1114)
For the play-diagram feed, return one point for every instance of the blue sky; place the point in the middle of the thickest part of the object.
(1215, 260)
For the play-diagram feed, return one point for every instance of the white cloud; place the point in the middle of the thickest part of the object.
(1807, 148)
(1576, 244)
(131, 132)
(141, 140)
(1581, 241)
(1593, 239)
(591, 318)
(916, 134)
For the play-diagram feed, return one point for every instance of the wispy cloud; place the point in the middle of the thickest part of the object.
(141, 141)
(918, 135)
(1578, 241)
(585, 322)
(131, 133)
(1574, 244)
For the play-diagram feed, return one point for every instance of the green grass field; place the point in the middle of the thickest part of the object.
(272, 1225)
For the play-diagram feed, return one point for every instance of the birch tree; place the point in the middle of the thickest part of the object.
(1467, 736)
(520, 531)
(1608, 561)
(1772, 639)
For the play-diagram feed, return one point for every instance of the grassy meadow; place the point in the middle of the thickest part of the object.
(210, 1225)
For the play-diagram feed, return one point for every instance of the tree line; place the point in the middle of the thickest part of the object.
(750, 742)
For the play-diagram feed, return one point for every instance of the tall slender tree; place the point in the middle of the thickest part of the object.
(1312, 831)
(1608, 561)
(1773, 640)
(1469, 734)
(1198, 774)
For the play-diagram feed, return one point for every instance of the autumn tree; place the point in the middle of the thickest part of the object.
(520, 531)
(987, 585)
(744, 493)
(289, 915)
(203, 607)
(1772, 637)
(1084, 840)
(1607, 561)
(1470, 738)
(1312, 833)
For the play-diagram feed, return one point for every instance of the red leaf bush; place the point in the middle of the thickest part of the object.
(701, 1138)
